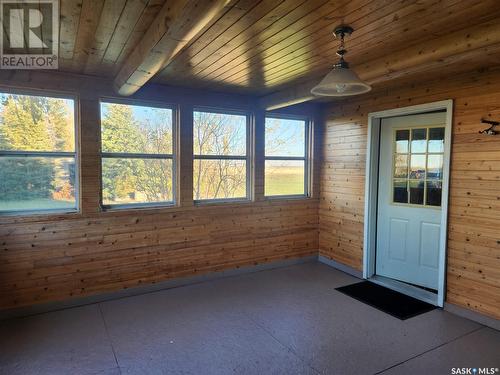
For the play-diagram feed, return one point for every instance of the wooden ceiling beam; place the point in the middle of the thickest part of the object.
(177, 23)
(460, 46)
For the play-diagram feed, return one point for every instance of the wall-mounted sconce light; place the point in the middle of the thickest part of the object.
(491, 130)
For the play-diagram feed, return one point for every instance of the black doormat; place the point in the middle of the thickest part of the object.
(389, 301)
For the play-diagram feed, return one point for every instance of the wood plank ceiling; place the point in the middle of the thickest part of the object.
(258, 47)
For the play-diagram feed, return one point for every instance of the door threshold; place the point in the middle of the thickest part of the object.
(409, 290)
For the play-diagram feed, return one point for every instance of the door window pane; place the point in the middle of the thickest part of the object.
(434, 190)
(424, 163)
(417, 192)
(400, 194)
(418, 140)
(400, 166)
(284, 177)
(402, 140)
(417, 167)
(436, 140)
(435, 167)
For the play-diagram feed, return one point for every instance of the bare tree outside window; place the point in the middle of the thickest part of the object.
(220, 155)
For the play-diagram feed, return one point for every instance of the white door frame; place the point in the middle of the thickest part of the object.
(371, 196)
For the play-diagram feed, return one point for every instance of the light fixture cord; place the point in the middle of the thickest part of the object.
(341, 49)
(341, 52)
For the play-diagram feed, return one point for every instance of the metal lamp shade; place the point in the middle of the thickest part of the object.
(341, 82)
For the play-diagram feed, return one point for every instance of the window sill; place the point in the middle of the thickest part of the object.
(9, 217)
(136, 206)
(209, 202)
(287, 197)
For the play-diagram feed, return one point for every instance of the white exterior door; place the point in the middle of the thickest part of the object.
(409, 198)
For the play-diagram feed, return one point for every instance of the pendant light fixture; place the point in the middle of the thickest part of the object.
(341, 81)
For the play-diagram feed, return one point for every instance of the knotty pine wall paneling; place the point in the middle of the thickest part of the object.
(473, 253)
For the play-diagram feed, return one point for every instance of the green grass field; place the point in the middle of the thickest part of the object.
(284, 181)
(36, 204)
(279, 181)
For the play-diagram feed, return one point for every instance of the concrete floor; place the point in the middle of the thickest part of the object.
(282, 321)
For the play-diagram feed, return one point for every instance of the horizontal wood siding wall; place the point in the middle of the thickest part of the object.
(56, 257)
(473, 270)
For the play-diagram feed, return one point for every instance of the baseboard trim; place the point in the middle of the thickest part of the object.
(341, 267)
(472, 315)
(168, 284)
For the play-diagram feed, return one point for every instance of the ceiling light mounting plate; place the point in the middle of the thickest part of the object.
(342, 30)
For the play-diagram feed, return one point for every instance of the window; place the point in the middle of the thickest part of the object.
(221, 159)
(286, 151)
(418, 166)
(37, 153)
(137, 144)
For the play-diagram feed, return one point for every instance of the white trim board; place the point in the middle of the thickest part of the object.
(371, 182)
